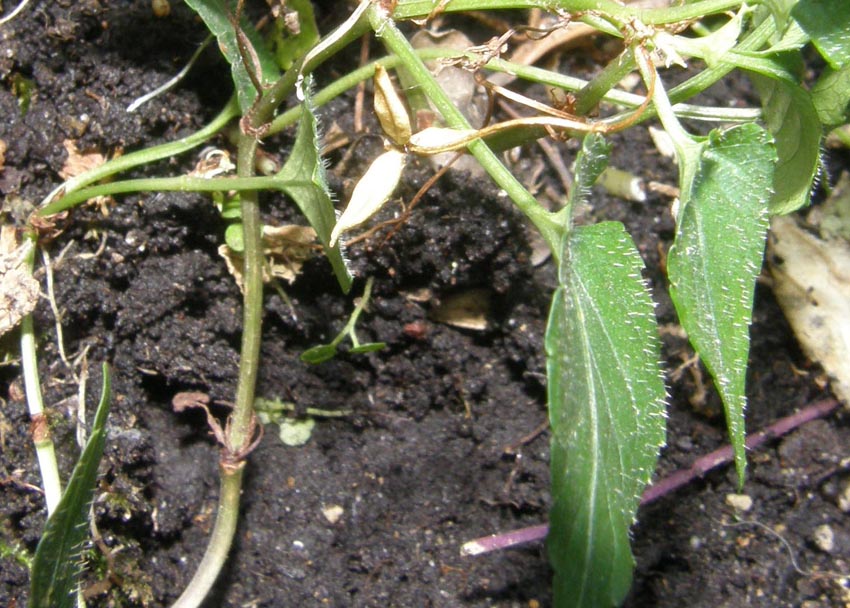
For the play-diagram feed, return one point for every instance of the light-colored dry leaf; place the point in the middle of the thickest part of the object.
(18, 289)
(286, 248)
(213, 162)
(467, 309)
(79, 162)
(3, 149)
(811, 280)
(390, 109)
(371, 192)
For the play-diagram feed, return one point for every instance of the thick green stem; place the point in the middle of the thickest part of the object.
(44, 449)
(396, 43)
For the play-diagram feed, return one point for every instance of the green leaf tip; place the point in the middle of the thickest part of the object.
(303, 179)
(56, 568)
(717, 256)
(607, 412)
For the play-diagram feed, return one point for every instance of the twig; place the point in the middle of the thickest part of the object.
(698, 469)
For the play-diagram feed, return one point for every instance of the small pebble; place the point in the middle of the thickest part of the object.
(739, 502)
(824, 538)
(844, 498)
(332, 513)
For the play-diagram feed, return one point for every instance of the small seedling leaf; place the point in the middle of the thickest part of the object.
(57, 565)
(293, 33)
(234, 236)
(217, 15)
(791, 117)
(295, 432)
(606, 409)
(319, 354)
(303, 179)
(369, 347)
(717, 255)
(828, 24)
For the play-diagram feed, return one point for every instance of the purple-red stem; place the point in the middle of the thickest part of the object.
(672, 482)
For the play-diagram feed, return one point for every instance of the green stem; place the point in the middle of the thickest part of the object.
(595, 90)
(180, 183)
(148, 155)
(397, 44)
(416, 9)
(242, 421)
(44, 448)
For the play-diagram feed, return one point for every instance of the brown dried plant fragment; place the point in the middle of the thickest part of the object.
(18, 289)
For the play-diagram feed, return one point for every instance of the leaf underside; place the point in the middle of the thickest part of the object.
(607, 412)
(57, 564)
(717, 255)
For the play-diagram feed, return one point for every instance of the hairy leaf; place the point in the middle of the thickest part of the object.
(790, 116)
(606, 409)
(303, 178)
(218, 16)
(57, 564)
(831, 97)
(717, 255)
(828, 24)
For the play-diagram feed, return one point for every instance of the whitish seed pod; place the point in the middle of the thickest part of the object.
(371, 192)
(390, 109)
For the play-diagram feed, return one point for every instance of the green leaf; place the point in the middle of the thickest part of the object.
(717, 255)
(217, 16)
(319, 354)
(828, 24)
(790, 115)
(369, 347)
(293, 33)
(606, 409)
(57, 567)
(234, 236)
(831, 97)
(303, 179)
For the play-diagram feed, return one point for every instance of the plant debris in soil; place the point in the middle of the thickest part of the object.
(441, 445)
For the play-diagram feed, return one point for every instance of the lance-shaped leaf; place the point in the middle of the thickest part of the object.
(606, 409)
(303, 179)
(58, 558)
(792, 119)
(372, 191)
(717, 255)
(243, 48)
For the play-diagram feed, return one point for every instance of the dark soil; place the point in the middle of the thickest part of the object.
(434, 453)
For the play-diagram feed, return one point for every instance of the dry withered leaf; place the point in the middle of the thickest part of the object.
(18, 289)
(468, 309)
(79, 162)
(286, 249)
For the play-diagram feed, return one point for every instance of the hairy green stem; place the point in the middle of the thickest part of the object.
(44, 449)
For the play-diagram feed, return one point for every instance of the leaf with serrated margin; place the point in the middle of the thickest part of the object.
(607, 412)
(303, 179)
(57, 565)
(717, 255)
(791, 117)
(828, 24)
(216, 15)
